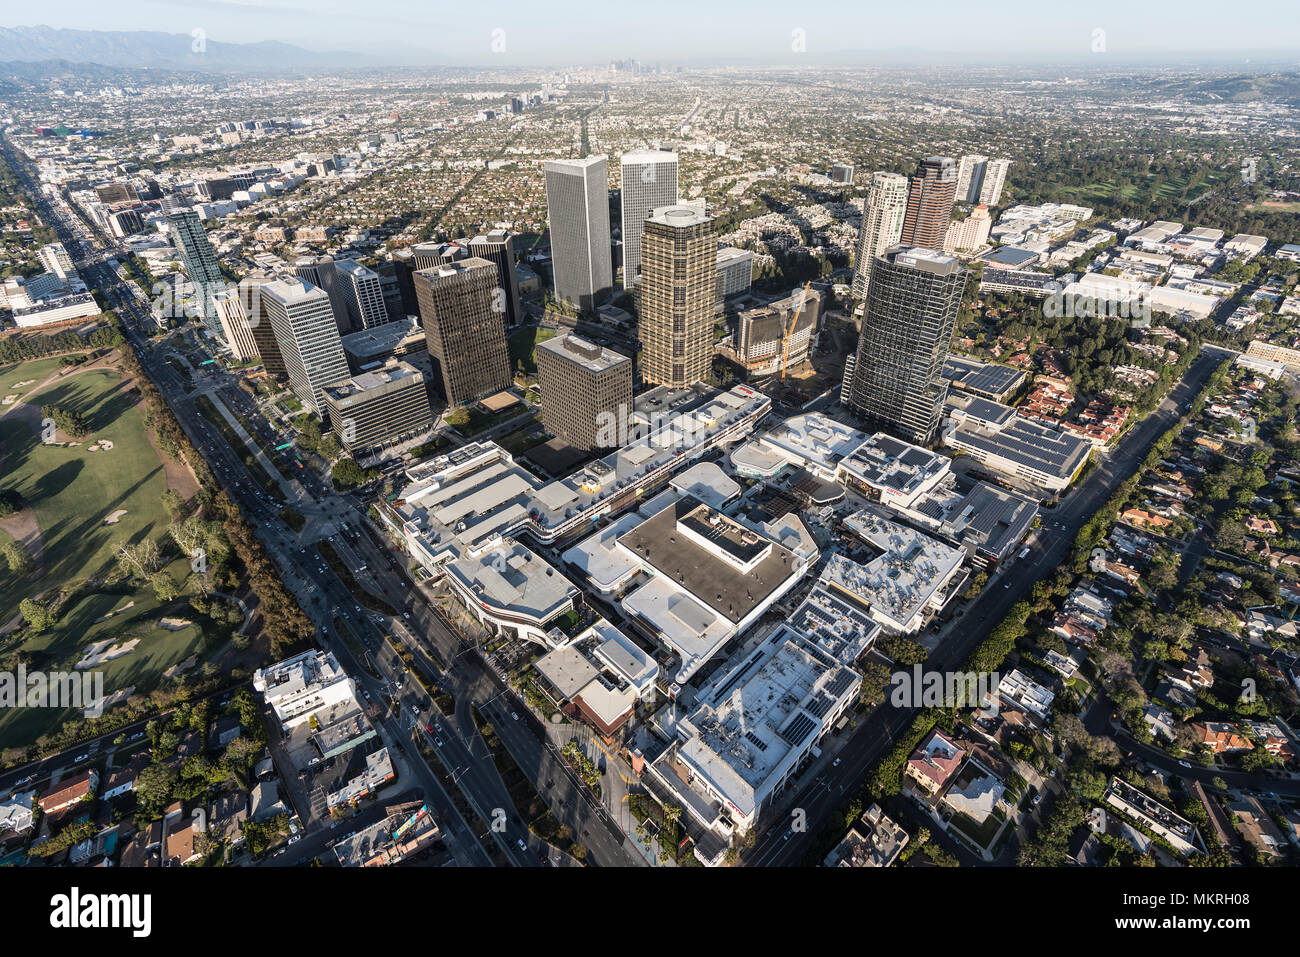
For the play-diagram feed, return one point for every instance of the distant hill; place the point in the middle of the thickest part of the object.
(165, 51)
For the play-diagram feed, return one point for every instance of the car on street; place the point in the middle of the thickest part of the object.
(1184, 764)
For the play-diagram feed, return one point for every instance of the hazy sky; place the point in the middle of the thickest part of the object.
(594, 31)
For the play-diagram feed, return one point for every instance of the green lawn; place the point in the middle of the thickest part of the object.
(62, 647)
(523, 345)
(73, 490)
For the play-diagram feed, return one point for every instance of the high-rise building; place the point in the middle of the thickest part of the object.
(322, 272)
(407, 262)
(969, 233)
(379, 408)
(677, 296)
(233, 316)
(498, 248)
(842, 174)
(649, 181)
(465, 336)
(362, 294)
(882, 225)
(577, 206)
(197, 256)
(304, 327)
(980, 179)
(912, 303)
(929, 202)
(586, 392)
(250, 299)
(735, 272)
(995, 177)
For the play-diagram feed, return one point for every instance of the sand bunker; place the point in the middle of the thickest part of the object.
(117, 697)
(100, 652)
(174, 624)
(181, 667)
(9, 400)
(115, 517)
(127, 607)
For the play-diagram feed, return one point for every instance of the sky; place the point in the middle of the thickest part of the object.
(679, 31)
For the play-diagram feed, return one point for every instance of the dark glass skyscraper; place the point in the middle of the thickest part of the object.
(197, 256)
(912, 302)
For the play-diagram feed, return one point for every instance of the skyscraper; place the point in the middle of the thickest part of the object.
(586, 392)
(929, 202)
(303, 323)
(577, 205)
(407, 262)
(498, 248)
(465, 335)
(322, 272)
(677, 295)
(912, 303)
(250, 300)
(995, 177)
(197, 256)
(649, 180)
(235, 327)
(980, 179)
(362, 294)
(882, 225)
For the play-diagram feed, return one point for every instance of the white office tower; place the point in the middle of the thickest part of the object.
(649, 180)
(303, 323)
(882, 225)
(362, 293)
(980, 179)
(577, 206)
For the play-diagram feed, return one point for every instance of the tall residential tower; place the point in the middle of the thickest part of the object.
(930, 197)
(882, 225)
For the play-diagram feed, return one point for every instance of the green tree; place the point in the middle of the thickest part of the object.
(38, 617)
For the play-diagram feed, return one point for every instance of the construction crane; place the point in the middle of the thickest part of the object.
(789, 329)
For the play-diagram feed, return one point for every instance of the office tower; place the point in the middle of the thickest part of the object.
(322, 272)
(882, 225)
(995, 177)
(304, 327)
(407, 262)
(677, 296)
(969, 233)
(577, 208)
(735, 272)
(586, 392)
(929, 202)
(912, 303)
(197, 256)
(649, 181)
(250, 299)
(465, 337)
(363, 295)
(498, 248)
(842, 174)
(379, 408)
(235, 328)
